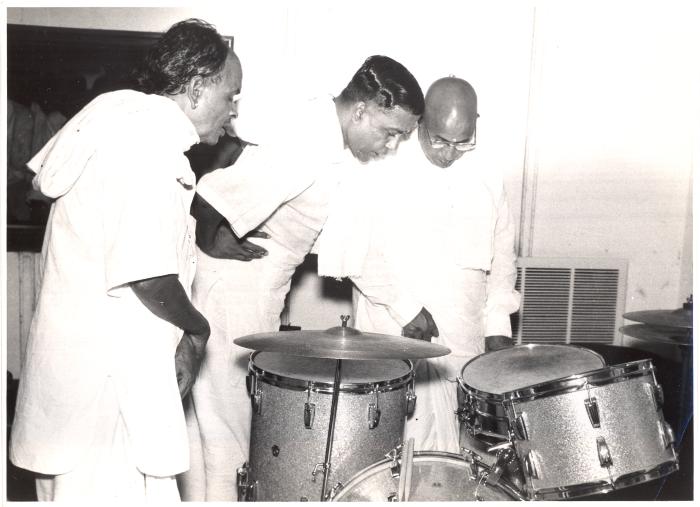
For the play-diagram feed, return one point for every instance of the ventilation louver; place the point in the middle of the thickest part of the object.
(570, 300)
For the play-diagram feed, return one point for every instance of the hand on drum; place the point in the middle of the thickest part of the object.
(422, 327)
(188, 357)
(497, 342)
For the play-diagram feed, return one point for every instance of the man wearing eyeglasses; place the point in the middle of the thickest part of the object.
(443, 240)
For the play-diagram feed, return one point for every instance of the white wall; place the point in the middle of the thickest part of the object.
(612, 131)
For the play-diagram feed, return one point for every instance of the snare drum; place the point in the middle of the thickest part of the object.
(487, 380)
(436, 476)
(591, 433)
(291, 398)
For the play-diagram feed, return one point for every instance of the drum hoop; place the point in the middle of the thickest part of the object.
(495, 397)
(294, 384)
(591, 488)
(593, 378)
(442, 457)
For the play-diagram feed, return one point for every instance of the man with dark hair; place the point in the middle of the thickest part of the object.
(115, 341)
(288, 187)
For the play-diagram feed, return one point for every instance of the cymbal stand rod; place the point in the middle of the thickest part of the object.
(331, 430)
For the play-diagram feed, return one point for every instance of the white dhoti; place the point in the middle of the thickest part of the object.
(107, 472)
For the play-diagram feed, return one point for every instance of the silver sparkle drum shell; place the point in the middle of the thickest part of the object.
(436, 476)
(284, 452)
(591, 433)
(488, 380)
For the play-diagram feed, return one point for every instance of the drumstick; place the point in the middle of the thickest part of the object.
(409, 471)
(406, 471)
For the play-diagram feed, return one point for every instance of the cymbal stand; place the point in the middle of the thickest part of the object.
(331, 430)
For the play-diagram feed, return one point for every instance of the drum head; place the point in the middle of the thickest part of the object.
(516, 367)
(323, 370)
(436, 476)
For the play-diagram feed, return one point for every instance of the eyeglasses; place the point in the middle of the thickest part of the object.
(442, 143)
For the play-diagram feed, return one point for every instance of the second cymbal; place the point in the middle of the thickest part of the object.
(681, 318)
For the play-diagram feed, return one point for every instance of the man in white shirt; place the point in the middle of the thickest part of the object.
(115, 341)
(462, 269)
(289, 186)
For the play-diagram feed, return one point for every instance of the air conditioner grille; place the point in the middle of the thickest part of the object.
(569, 300)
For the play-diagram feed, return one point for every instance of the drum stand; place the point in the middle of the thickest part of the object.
(326, 465)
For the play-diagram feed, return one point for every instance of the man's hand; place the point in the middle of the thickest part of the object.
(422, 327)
(229, 246)
(497, 342)
(188, 358)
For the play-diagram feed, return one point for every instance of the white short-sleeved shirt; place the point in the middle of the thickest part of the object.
(283, 187)
(123, 189)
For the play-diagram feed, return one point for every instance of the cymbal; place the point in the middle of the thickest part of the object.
(342, 342)
(651, 334)
(681, 318)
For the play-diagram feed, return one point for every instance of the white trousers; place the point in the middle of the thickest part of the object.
(434, 425)
(237, 299)
(107, 473)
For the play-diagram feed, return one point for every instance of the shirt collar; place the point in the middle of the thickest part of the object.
(181, 126)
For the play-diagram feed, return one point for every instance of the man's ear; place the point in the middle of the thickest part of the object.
(359, 111)
(195, 88)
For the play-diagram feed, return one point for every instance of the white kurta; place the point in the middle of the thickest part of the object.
(443, 239)
(240, 298)
(123, 189)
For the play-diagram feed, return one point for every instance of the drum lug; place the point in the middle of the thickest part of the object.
(373, 411)
(256, 400)
(309, 414)
(592, 410)
(657, 394)
(309, 411)
(521, 427)
(667, 434)
(393, 455)
(393, 497)
(603, 453)
(251, 382)
(246, 491)
(410, 399)
(395, 469)
(530, 465)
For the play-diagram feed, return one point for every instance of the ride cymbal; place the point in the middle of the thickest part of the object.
(342, 342)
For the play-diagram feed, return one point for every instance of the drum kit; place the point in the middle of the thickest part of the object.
(537, 422)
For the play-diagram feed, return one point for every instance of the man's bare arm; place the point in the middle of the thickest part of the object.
(166, 298)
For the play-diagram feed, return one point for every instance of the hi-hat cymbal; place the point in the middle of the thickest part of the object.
(681, 318)
(652, 334)
(342, 342)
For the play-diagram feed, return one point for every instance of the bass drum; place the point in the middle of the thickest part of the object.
(436, 477)
(291, 398)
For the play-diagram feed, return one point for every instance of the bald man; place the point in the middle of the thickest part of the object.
(443, 241)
